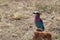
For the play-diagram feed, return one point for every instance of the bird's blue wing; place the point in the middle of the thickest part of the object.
(40, 25)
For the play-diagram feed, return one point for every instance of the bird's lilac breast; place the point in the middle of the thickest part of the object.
(38, 20)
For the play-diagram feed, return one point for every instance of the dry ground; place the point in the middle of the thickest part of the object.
(17, 20)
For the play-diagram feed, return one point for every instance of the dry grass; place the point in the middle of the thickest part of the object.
(21, 10)
(19, 16)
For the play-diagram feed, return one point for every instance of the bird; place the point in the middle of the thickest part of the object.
(38, 21)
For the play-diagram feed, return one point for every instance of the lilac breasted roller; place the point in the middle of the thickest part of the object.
(38, 21)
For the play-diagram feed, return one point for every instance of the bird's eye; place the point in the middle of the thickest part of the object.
(33, 13)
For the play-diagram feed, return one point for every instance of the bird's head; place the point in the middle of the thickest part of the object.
(37, 12)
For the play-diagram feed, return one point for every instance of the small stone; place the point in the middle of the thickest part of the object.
(58, 18)
(14, 35)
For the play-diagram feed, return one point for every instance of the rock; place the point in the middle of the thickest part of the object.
(42, 36)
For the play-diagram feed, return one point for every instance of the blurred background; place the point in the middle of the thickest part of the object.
(17, 20)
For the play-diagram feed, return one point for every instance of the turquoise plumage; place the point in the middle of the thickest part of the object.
(40, 25)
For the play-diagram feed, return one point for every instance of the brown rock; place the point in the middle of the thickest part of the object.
(42, 36)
